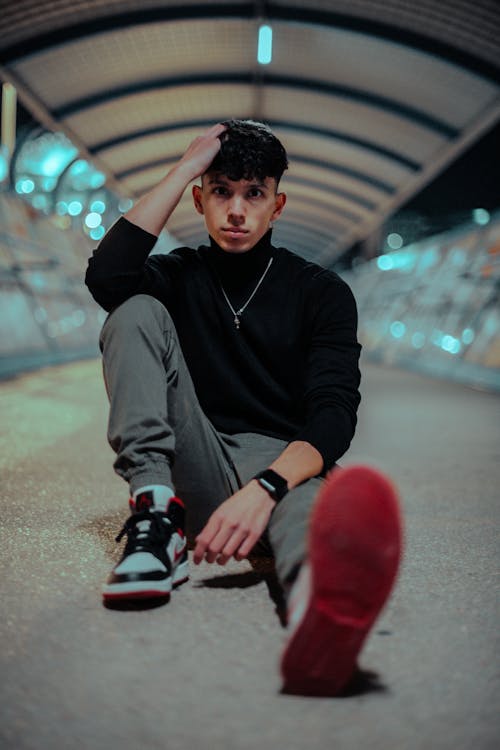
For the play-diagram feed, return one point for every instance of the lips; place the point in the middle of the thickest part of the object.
(234, 230)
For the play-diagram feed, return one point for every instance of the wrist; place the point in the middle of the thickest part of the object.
(183, 172)
(262, 494)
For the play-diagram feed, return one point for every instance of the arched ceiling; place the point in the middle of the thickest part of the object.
(372, 98)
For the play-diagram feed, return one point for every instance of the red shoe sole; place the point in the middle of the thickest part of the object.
(355, 540)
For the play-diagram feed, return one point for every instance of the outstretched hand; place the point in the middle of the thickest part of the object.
(234, 528)
(201, 152)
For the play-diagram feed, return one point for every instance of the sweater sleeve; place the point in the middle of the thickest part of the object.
(117, 269)
(332, 374)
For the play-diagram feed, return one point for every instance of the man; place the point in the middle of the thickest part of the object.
(232, 373)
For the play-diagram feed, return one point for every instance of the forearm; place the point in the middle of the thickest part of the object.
(330, 427)
(298, 462)
(152, 211)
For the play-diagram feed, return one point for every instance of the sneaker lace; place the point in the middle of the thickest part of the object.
(146, 539)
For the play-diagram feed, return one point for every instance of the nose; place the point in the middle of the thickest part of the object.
(236, 211)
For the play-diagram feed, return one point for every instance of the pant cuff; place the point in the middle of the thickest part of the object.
(150, 477)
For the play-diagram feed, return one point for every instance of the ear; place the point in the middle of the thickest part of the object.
(279, 205)
(197, 195)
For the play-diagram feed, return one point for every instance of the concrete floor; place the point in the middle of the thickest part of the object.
(202, 670)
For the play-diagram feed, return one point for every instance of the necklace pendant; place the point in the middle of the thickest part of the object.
(237, 313)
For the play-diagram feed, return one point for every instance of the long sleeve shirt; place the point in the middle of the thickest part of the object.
(289, 371)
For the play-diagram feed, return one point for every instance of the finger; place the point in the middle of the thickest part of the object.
(232, 545)
(204, 538)
(218, 128)
(199, 551)
(213, 132)
(247, 546)
(218, 542)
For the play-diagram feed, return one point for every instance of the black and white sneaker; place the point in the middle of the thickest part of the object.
(155, 559)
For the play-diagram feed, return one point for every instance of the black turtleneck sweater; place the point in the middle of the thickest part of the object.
(290, 371)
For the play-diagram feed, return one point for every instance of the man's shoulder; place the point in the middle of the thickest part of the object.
(179, 257)
(179, 266)
(308, 271)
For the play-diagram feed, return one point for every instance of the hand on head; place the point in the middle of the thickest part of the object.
(202, 151)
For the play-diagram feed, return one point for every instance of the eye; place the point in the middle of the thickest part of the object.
(255, 193)
(220, 190)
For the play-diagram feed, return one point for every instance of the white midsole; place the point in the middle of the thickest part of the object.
(129, 587)
(165, 586)
(181, 572)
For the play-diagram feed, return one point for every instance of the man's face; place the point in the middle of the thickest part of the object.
(237, 214)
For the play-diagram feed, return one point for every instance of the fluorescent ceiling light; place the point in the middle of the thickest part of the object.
(265, 48)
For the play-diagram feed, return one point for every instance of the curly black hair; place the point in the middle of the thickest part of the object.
(249, 150)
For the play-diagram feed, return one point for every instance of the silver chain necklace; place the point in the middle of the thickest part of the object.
(238, 313)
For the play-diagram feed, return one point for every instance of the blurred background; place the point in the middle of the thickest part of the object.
(390, 112)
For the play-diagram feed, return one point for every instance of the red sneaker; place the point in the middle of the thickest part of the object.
(354, 548)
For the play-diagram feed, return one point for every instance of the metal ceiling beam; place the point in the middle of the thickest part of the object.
(246, 10)
(331, 207)
(326, 189)
(334, 166)
(329, 166)
(488, 119)
(397, 33)
(311, 236)
(384, 152)
(308, 222)
(42, 115)
(296, 127)
(360, 96)
(357, 200)
(310, 207)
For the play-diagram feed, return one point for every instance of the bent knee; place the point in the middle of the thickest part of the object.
(137, 311)
(138, 303)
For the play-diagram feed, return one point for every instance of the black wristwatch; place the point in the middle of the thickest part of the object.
(273, 483)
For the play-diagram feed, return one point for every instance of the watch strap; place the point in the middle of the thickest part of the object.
(273, 483)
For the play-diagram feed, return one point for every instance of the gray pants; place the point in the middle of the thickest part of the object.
(161, 435)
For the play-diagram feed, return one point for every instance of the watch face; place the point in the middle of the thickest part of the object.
(267, 485)
(273, 483)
